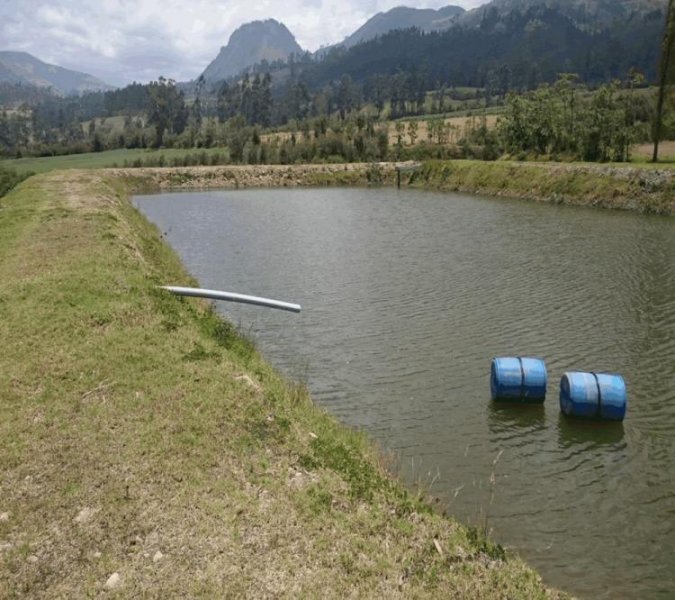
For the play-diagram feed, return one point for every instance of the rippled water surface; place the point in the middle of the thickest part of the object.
(408, 295)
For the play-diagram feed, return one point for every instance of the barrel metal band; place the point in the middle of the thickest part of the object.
(522, 378)
(598, 412)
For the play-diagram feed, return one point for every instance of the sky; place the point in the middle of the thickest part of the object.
(121, 41)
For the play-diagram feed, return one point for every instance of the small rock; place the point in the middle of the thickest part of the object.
(157, 557)
(32, 559)
(97, 554)
(298, 479)
(5, 547)
(113, 581)
(4, 517)
(84, 515)
(247, 379)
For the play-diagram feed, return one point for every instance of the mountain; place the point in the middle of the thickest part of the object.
(251, 44)
(588, 15)
(509, 44)
(504, 44)
(403, 17)
(21, 67)
(8, 76)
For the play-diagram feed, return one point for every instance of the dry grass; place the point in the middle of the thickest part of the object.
(261, 175)
(456, 128)
(141, 436)
(645, 151)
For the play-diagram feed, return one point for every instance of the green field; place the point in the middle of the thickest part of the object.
(99, 160)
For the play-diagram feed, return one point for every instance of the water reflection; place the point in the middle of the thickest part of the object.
(506, 417)
(595, 434)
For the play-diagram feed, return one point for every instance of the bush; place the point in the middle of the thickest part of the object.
(9, 178)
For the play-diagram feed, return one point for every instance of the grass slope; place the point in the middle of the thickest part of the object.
(140, 435)
(648, 190)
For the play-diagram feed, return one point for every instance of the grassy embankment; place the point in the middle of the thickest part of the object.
(640, 189)
(640, 185)
(140, 435)
(648, 190)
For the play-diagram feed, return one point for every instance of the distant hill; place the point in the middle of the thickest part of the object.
(21, 67)
(8, 76)
(13, 95)
(251, 44)
(510, 44)
(588, 15)
(403, 17)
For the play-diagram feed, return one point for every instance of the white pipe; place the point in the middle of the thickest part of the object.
(230, 297)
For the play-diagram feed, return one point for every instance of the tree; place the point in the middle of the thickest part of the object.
(412, 132)
(555, 120)
(400, 133)
(266, 104)
(383, 142)
(298, 101)
(345, 96)
(167, 108)
(665, 73)
(197, 106)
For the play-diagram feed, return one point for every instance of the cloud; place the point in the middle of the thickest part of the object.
(138, 40)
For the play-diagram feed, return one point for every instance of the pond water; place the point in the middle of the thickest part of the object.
(407, 295)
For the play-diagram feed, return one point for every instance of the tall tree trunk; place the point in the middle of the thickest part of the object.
(666, 55)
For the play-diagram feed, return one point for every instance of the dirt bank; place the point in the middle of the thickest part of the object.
(262, 176)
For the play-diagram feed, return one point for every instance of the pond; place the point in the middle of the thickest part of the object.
(407, 296)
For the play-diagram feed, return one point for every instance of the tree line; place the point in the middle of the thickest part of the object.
(564, 122)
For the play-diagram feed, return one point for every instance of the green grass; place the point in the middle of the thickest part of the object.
(135, 422)
(616, 186)
(111, 158)
(99, 160)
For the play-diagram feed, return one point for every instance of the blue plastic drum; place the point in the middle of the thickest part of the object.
(518, 380)
(600, 396)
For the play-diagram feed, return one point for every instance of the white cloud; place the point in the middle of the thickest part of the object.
(125, 40)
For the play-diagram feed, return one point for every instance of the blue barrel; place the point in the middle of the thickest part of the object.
(600, 396)
(518, 380)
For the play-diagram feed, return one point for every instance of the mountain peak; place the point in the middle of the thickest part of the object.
(250, 44)
(404, 17)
